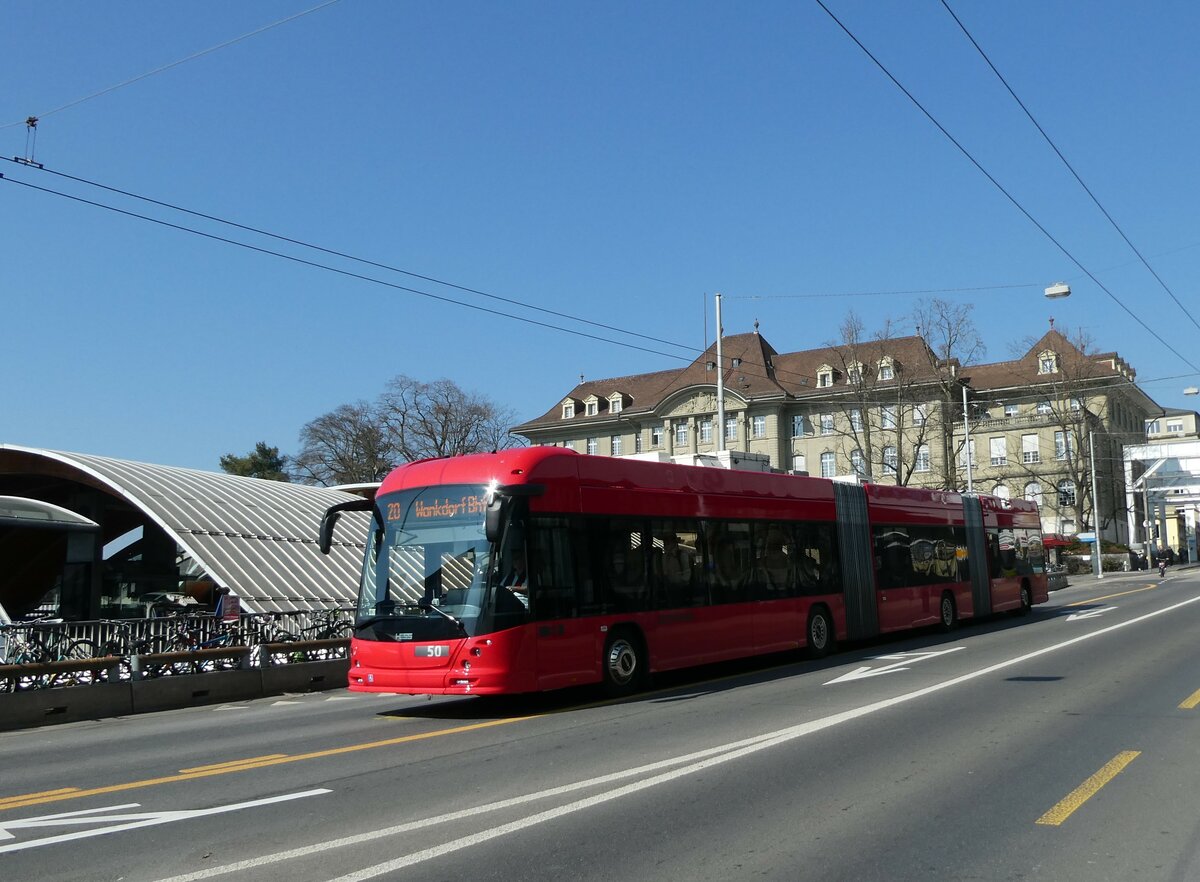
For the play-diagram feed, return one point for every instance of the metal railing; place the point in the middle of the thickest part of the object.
(51, 653)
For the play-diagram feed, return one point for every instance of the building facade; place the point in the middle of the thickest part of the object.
(886, 411)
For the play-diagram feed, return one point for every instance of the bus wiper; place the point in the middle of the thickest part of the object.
(427, 604)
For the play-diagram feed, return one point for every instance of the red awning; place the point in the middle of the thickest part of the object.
(1054, 540)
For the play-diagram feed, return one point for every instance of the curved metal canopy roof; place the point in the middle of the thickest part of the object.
(258, 538)
(17, 511)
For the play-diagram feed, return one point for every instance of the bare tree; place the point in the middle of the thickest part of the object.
(441, 419)
(351, 444)
(951, 341)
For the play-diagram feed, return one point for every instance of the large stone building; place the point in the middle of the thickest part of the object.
(887, 411)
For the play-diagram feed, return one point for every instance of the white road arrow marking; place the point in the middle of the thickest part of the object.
(118, 819)
(1090, 614)
(905, 659)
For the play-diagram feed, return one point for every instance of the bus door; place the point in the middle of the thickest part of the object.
(680, 633)
(568, 643)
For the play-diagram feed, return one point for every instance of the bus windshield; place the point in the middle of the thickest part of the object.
(426, 568)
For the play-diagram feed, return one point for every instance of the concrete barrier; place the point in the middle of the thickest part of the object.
(40, 707)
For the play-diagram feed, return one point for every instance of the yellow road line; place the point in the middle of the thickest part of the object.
(28, 799)
(1191, 702)
(1111, 596)
(1089, 788)
(241, 762)
(59, 793)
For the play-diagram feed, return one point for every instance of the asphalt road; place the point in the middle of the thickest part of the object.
(1061, 746)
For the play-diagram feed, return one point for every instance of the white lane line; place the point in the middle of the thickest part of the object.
(695, 762)
(119, 822)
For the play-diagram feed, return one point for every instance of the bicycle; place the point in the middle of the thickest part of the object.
(38, 642)
(123, 642)
(190, 637)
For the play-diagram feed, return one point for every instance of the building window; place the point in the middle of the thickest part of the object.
(731, 428)
(1044, 408)
(1076, 404)
(856, 422)
(826, 424)
(706, 431)
(998, 451)
(1033, 492)
(615, 442)
(799, 463)
(1047, 363)
(1152, 427)
(1063, 448)
(828, 464)
(759, 426)
(885, 371)
(887, 417)
(920, 415)
(593, 408)
(923, 461)
(569, 410)
(968, 450)
(592, 445)
(637, 442)
(889, 460)
(857, 463)
(824, 379)
(1000, 491)
(854, 375)
(1175, 426)
(681, 434)
(656, 436)
(1029, 449)
(615, 404)
(1066, 493)
(1011, 410)
(798, 426)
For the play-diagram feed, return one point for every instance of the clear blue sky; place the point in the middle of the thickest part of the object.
(617, 161)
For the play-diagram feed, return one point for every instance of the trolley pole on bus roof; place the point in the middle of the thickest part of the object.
(720, 382)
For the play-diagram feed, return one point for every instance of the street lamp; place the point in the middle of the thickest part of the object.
(1058, 290)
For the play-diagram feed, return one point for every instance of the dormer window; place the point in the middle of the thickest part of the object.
(1048, 363)
(854, 375)
(616, 403)
(593, 408)
(568, 410)
(887, 370)
(824, 377)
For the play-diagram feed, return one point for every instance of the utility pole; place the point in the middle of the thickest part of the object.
(1097, 565)
(720, 381)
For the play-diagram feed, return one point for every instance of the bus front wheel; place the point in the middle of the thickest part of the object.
(624, 664)
(820, 633)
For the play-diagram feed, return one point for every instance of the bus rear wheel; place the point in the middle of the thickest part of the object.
(623, 664)
(819, 633)
(949, 617)
(1026, 599)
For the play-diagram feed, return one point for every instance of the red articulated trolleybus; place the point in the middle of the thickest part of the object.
(541, 568)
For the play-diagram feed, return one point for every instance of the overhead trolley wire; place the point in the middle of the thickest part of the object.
(1001, 188)
(332, 269)
(167, 67)
(1070, 168)
(351, 257)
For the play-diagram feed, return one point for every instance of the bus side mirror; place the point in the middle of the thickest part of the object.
(493, 519)
(330, 518)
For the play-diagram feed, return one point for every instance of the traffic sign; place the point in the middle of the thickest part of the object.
(1086, 537)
